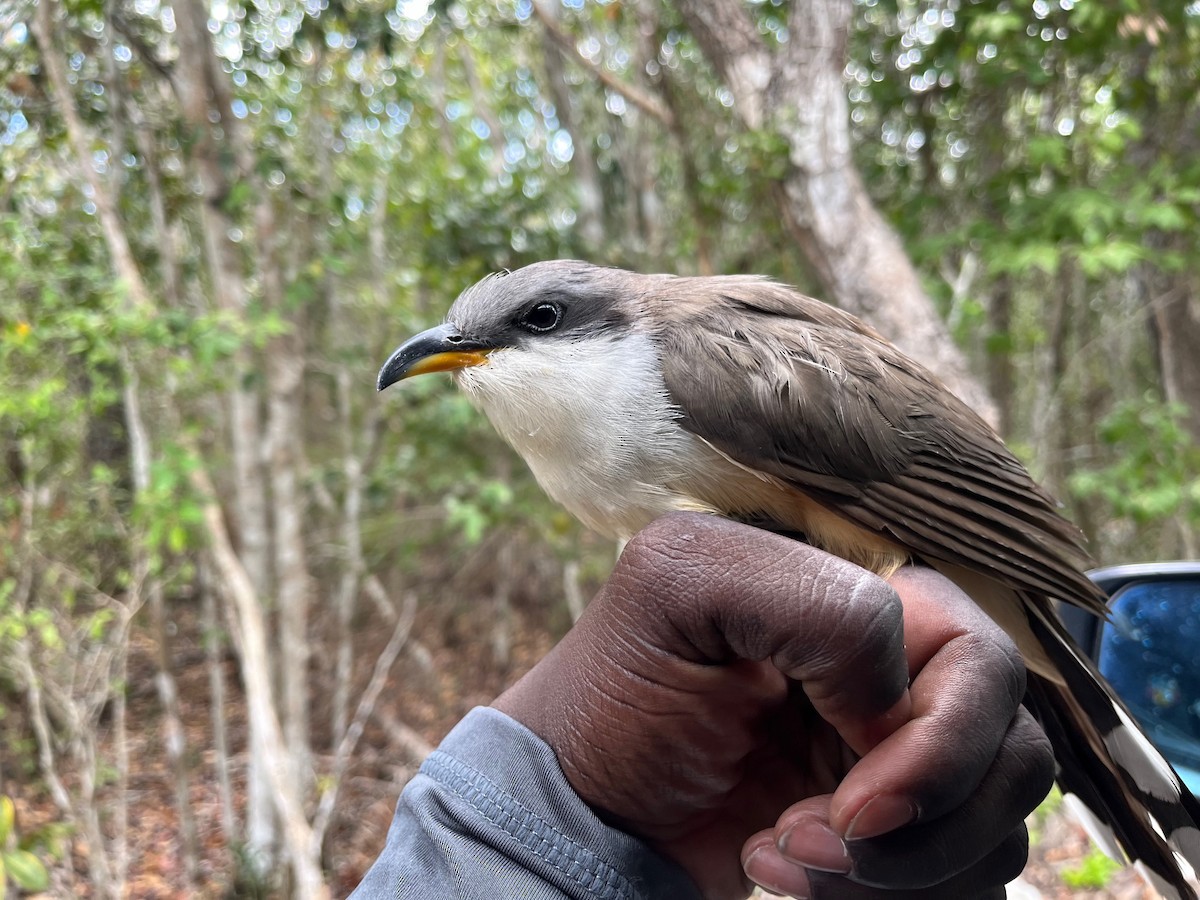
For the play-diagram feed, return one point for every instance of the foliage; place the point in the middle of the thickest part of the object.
(1023, 150)
(1094, 872)
(1154, 473)
(1038, 159)
(18, 864)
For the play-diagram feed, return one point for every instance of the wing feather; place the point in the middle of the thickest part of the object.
(819, 400)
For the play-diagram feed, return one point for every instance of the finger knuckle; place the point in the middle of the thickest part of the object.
(857, 626)
(1012, 854)
(655, 556)
(857, 602)
(1012, 666)
(998, 664)
(1035, 758)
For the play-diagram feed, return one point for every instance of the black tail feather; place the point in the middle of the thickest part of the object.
(1107, 762)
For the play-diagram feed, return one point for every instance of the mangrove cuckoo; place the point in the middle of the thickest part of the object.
(630, 396)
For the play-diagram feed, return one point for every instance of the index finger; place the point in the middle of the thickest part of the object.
(724, 591)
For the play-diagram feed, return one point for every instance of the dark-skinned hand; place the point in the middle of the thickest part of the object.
(749, 706)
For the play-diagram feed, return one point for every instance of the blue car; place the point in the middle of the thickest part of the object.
(1149, 651)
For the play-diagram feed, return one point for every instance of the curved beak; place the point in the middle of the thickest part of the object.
(440, 349)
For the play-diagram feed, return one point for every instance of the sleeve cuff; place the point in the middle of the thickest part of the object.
(497, 818)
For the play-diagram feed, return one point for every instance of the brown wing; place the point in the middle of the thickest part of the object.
(816, 398)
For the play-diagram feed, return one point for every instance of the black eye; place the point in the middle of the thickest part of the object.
(541, 318)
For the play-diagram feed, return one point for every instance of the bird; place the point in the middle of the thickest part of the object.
(631, 395)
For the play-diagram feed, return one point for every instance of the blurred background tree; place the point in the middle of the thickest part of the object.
(228, 559)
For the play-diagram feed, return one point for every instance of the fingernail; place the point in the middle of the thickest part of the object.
(816, 846)
(881, 814)
(773, 873)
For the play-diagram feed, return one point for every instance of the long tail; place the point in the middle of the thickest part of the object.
(1106, 761)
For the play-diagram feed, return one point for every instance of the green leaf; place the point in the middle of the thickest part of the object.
(1113, 256)
(1094, 871)
(1020, 260)
(177, 539)
(8, 813)
(26, 870)
(1166, 216)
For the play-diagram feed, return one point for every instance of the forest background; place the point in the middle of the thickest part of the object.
(241, 594)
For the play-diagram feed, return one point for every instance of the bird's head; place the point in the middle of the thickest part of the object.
(531, 319)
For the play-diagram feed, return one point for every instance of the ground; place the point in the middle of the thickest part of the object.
(449, 669)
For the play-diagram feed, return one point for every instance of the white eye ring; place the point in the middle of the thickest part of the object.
(541, 317)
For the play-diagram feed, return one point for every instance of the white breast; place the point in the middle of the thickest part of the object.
(594, 421)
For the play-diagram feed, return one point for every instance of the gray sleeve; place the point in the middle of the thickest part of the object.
(490, 815)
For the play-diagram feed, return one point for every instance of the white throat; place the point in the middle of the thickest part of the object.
(593, 420)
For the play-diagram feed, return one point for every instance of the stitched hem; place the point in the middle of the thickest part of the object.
(534, 833)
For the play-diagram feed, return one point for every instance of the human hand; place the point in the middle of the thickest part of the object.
(716, 696)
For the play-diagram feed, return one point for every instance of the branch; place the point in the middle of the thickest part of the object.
(143, 50)
(482, 108)
(733, 47)
(25, 668)
(341, 760)
(566, 44)
(409, 739)
(137, 296)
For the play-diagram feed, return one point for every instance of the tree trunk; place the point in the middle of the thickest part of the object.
(650, 38)
(797, 92)
(1000, 372)
(1174, 313)
(174, 739)
(260, 698)
(197, 83)
(285, 360)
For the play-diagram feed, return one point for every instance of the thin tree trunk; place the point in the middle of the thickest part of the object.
(797, 92)
(197, 83)
(115, 237)
(354, 449)
(692, 187)
(377, 233)
(260, 699)
(285, 359)
(164, 231)
(1174, 313)
(174, 737)
(1000, 373)
(350, 579)
(174, 741)
(572, 591)
(214, 662)
(199, 86)
(35, 699)
(120, 810)
(100, 866)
